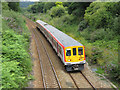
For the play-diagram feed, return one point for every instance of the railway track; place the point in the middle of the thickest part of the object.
(88, 81)
(49, 75)
(74, 81)
(50, 79)
(83, 76)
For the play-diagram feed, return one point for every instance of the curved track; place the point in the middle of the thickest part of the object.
(49, 76)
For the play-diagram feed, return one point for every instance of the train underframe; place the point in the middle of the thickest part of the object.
(74, 67)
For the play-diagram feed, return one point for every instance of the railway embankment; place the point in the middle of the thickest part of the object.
(16, 60)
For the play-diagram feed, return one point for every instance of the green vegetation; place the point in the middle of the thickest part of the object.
(100, 71)
(16, 61)
(57, 11)
(101, 30)
(14, 6)
(95, 25)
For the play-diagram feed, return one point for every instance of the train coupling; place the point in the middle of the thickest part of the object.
(75, 67)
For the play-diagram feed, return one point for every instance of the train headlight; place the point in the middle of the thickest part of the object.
(80, 59)
(69, 60)
(84, 61)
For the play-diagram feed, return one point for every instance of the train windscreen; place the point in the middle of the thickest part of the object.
(80, 51)
(68, 52)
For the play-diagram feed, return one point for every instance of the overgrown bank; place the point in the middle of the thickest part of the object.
(16, 61)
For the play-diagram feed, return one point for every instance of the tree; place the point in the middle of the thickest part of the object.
(14, 6)
(57, 11)
(5, 6)
(40, 7)
(37, 7)
(48, 6)
(78, 8)
(101, 14)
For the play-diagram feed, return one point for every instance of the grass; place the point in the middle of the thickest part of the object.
(100, 71)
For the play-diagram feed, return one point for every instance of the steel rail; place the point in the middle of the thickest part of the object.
(74, 81)
(88, 81)
(44, 85)
(49, 61)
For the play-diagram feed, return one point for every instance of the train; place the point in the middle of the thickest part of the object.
(70, 51)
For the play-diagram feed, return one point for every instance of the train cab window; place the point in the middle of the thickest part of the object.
(68, 52)
(74, 51)
(80, 51)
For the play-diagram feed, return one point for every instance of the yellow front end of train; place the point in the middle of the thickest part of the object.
(75, 54)
(74, 58)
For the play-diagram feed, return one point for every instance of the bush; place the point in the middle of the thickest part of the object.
(98, 15)
(113, 70)
(67, 19)
(110, 34)
(96, 55)
(115, 73)
(36, 7)
(4, 6)
(12, 75)
(57, 11)
(82, 25)
(86, 33)
(116, 25)
(14, 21)
(16, 62)
(99, 34)
(48, 6)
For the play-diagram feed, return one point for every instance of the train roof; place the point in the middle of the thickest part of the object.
(63, 38)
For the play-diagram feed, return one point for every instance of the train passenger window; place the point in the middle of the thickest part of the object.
(68, 52)
(80, 51)
(59, 49)
(74, 51)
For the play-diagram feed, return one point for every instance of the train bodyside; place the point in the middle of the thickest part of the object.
(72, 56)
(55, 44)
